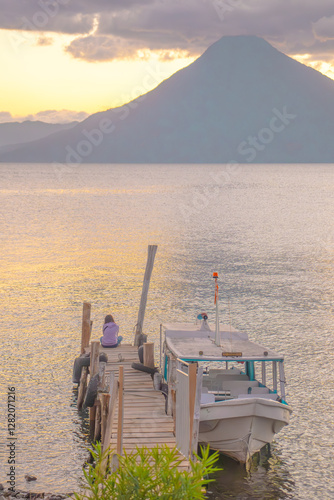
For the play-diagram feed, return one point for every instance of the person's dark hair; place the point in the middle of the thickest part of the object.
(109, 319)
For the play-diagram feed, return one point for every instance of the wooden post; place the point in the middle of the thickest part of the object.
(192, 374)
(171, 383)
(197, 410)
(152, 249)
(92, 417)
(102, 376)
(94, 369)
(105, 398)
(82, 387)
(97, 430)
(86, 326)
(98, 416)
(113, 394)
(94, 358)
(173, 394)
(120, 411)
(149, 354)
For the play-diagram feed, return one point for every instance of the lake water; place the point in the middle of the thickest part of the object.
(81, 235)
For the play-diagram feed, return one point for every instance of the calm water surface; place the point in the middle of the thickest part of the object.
(82, 235)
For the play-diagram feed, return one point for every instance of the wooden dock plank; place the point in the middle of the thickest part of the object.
(145, 422)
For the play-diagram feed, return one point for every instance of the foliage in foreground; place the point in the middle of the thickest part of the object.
(148, 475)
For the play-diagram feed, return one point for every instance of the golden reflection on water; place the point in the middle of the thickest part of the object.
(74, 240)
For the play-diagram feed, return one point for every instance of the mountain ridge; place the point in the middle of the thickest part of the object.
(14, 133)
(225, 106)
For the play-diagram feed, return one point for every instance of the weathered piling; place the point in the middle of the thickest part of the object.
(152, 250)
(105, 401)
(86, 326)
(149, 354)
(86, 330)
(98, 402)
(82, 387)
(94, 370)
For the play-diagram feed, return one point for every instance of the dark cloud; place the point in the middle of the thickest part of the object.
(61, 16)
(44, 15)
(324, 28)
(101, 48)
(110, 29)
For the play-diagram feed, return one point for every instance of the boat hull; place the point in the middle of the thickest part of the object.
(241, 427)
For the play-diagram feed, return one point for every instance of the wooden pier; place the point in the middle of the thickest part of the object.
(135, 413)
(126, 409)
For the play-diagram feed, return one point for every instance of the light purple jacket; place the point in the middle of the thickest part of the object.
(110, 334)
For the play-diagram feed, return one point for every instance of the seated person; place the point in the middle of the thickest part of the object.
(110, 333)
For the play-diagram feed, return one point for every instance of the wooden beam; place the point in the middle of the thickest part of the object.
(173, 394)
(97, 430)
(105, 398)
(102, 376)
(82, 387)
(113, 393)
(149, 354)
(152, 249)
(197, 410)
(192, 374)
(94, 358)
(120, 411)
(92, 417)
(94, 369)
(86, 326)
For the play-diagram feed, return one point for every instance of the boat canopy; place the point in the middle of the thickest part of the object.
(191, 342)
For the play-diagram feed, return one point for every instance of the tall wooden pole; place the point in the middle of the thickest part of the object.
(152, 250)
(86, 326)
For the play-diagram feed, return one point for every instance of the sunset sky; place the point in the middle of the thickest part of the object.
(64, 59)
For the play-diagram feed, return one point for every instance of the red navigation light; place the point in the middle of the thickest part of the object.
(215, 275)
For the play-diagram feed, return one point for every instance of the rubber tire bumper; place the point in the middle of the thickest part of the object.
(82, 361)
(142, 368)
(91, 392)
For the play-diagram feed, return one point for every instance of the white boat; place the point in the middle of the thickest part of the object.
(242, 401)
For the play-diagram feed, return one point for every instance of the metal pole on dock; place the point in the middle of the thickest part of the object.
(152, 249)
